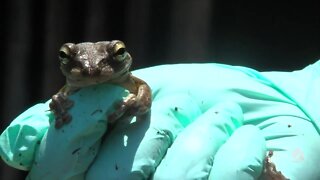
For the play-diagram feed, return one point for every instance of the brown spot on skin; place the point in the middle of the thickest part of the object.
(176, 108)
(289, 125)
(116, 167)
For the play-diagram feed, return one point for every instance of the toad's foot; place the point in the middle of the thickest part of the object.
(121, 108)
(130, 106)
(59, 105)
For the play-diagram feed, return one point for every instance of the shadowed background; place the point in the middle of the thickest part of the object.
(271, 35)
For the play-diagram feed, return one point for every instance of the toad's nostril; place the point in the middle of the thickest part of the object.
(91, 71)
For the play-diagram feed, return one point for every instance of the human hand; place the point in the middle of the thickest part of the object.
(185, 138)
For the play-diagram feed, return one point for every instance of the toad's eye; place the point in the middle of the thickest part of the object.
(65, 53)
(119, 51)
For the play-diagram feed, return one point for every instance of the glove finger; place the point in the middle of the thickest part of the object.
(241, 157)
(192, 153)
(66, 153)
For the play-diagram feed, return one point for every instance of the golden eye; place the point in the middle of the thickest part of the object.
(119, 51)
(65, 53)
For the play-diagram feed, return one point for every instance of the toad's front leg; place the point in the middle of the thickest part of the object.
(141, 103)
(137, 103)
(60, 104)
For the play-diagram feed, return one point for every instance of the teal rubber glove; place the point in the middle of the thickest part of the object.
(207, 121)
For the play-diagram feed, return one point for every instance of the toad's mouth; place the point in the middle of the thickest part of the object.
(80, 80)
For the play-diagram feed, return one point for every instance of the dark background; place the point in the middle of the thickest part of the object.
(265, 35)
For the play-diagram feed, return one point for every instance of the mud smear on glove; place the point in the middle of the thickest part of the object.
(270, 171)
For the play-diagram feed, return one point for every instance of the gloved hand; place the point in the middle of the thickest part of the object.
(207, 121)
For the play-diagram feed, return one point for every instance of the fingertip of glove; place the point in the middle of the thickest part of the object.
(229, 107)
(242, 155)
